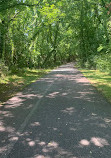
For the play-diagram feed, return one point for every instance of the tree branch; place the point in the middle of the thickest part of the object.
(16, 5)
(13, 17)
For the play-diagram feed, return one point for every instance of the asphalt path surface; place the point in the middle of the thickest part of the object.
(59, 116)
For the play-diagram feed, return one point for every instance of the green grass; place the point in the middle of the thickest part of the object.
(101, 80)
(12, 83)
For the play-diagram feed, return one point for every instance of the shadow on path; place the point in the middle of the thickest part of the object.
(71, 120)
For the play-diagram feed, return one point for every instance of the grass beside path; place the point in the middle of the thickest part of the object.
(10, 84)
(101, 80)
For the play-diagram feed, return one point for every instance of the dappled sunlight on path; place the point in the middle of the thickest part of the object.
(59, 116)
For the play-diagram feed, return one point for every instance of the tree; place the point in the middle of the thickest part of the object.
(46, 33)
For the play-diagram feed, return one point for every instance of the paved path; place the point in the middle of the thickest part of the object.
(59, 116)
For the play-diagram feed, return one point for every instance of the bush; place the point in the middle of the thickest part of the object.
(90, 63)
(103, 62)
(3, 69)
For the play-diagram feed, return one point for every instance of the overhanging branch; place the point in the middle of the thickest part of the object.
(13, 17)
(16, 5)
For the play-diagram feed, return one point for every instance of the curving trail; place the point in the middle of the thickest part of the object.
(59, 116)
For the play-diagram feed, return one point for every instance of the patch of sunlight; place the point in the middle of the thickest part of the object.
(107, 120)
(40, 156)
(42, 143)
(53, 95)
(84, 142)
(52, 144)
(99, 142)
(69, 110)
(4, 80)
(31, 143)
(13, 138)
(3, 149)
(15, 77)
(63, 69)
(2, 128)
(35, 124)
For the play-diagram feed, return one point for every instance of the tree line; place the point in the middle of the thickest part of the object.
(42, 33)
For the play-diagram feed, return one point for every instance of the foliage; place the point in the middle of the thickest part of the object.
(45, 33)
(103, 62)
(3, 70)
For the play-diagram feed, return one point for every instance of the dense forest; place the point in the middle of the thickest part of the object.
(43, 33)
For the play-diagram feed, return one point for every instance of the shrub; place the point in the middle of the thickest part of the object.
(3, 69)
(103, 62)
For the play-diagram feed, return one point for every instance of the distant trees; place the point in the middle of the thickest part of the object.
(46, 33)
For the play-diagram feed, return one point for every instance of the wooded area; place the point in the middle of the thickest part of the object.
(38, 34)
